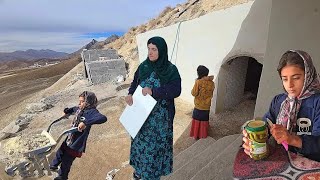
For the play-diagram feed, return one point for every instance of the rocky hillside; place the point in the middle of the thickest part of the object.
(108, 145)
(126, 44)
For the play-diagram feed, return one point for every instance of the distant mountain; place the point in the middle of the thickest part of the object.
(87, 46)
(94, 44)
(32, 54)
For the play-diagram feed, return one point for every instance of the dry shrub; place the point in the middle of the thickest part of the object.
(132, 29)
(152, 23)
(141, 29)
(165, 12)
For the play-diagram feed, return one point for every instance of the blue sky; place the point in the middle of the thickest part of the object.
(67, 25)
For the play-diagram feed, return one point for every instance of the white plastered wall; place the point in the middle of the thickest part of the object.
(213, 39)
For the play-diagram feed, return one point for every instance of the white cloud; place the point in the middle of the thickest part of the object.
(58, 24)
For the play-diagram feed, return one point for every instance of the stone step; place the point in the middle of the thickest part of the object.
(195, 149)
(197, 162)
(221, 166)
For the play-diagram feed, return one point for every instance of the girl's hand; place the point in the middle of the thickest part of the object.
(280, 133)
(129, 100)
(81, 126)
(246, 143)
(146, 91)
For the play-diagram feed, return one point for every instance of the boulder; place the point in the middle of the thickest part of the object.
(24, 119)
(38, 107)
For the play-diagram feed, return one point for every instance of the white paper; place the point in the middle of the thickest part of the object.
(134, 116)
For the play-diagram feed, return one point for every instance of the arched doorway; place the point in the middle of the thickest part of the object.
(238, 79)
(252, 79)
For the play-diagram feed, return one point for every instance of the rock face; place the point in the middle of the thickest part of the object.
(24, 120)
(38, 107)
(9, 130)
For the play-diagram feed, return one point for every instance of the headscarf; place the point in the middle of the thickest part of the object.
(311, 86)
(90, 99)
(164, 69)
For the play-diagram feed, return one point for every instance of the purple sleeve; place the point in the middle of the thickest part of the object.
(168, 91)
(95, 118)
(311, 143)
(135, 82)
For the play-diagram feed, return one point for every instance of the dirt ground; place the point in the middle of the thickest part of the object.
(108, 144)
(20, 84)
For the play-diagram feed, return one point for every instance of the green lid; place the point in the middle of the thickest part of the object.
(256, 125)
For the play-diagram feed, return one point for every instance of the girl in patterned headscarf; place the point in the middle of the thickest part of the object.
(296, 113)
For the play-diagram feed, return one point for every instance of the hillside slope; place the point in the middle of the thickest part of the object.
(126, 44)
(108, 144)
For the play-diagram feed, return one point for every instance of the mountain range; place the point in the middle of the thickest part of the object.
(31, 54)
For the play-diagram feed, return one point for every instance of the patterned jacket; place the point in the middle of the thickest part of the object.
(203, 92)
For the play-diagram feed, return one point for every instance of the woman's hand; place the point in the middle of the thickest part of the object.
(129, 100)
(280, 133)
(81, 126)
(246, 143)
(146, 91)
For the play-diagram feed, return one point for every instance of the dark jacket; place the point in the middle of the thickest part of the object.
(308, 128)
(92, 116)
(167, 91)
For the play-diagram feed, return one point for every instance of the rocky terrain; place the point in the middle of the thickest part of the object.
(126, 44)
(108, 144)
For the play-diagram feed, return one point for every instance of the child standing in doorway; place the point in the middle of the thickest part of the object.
(202, 92)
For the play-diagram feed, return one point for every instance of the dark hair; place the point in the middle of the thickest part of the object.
(202, 71)
(290, 58)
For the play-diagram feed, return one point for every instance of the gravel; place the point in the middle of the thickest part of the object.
(14, 148)
(230, 121)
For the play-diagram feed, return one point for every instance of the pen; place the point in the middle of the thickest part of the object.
(284, 143)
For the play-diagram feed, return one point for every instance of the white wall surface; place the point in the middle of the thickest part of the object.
(294, 24)
(213, 39)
